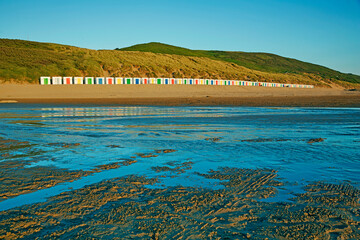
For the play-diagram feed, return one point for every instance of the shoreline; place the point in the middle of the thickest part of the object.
(178, 95)
(323, 101)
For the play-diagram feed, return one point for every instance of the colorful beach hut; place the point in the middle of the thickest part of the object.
(89, 80)
(67, 80)
(99, 80)
(128, 80)
(45, 80)
(136, 81)
(109, 80)
(145, 81)
(118, 80)
(159, 81)
(78, 80)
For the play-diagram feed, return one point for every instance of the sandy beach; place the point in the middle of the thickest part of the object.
(173, 95)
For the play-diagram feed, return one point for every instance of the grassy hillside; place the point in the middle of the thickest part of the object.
(25, 61)
(258, 61)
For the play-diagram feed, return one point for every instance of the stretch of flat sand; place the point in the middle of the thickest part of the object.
(178, 95)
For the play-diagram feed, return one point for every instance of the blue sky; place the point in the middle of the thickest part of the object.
(325, 32)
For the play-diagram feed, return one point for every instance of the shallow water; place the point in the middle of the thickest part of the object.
(274, 138)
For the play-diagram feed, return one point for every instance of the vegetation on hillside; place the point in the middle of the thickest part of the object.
(264, 62)
(25, 61)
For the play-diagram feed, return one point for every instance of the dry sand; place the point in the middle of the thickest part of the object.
(178, 95)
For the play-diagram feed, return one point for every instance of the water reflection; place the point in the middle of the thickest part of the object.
(144, 129)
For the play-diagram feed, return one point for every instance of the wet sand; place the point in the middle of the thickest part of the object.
(127, 208)
(124, 208)
(178, 95)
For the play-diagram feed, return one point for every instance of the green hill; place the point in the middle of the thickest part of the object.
(26, 61)
(265, 62)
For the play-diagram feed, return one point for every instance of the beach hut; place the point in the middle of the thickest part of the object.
(99, 80)
(67, 80)
(191, 81)
(136, 81)
(89, 80)
(159, 81)
(118, 80)
(166, 81)
(145, 81)
(109, 80)
(45, 80)
(172, 81)
(78, 80)
(56, 80)
(179, 81)
(128, 80)
(196, 81)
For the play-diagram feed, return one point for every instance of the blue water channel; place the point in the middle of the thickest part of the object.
(249, 137)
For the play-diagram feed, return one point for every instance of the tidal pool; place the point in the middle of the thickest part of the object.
(69, 148)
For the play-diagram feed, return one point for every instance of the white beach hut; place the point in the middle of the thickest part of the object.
(56, 80)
